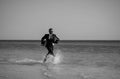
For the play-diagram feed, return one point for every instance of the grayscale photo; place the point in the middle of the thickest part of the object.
(59, 39)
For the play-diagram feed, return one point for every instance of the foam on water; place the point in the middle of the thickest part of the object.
(25, 61)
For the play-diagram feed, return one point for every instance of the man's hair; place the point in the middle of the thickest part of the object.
(50, 28)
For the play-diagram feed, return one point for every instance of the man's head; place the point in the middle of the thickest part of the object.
(50, 30)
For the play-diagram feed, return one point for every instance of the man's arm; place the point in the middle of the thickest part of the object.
(43, 39)
(56, 39)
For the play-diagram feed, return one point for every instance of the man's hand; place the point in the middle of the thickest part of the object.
(53, 44)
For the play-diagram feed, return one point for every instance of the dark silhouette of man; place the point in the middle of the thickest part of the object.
(48, 40)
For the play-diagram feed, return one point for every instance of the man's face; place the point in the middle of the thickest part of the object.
(51, 31)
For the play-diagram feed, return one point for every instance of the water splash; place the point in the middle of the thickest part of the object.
(58, 57)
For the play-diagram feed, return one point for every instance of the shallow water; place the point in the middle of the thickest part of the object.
(78, 60)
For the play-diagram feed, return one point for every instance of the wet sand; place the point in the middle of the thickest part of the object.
(78, 61)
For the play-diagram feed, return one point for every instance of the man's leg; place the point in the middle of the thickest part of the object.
(45, 57)
(50, 51)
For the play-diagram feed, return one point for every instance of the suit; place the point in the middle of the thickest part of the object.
(48, 40)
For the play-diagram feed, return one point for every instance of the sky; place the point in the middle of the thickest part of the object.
(70, 19)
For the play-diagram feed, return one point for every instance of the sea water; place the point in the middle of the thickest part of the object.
(73, 60)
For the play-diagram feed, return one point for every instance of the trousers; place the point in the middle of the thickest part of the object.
(50, 50)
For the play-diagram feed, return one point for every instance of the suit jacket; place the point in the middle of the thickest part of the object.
(46, 41)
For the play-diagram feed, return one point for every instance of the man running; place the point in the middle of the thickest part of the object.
(48, 41)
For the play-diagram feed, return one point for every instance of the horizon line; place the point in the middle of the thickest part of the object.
(61, 40)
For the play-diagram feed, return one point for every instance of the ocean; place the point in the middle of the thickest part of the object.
(74, 60)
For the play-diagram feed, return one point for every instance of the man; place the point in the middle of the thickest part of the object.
(48, 41)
